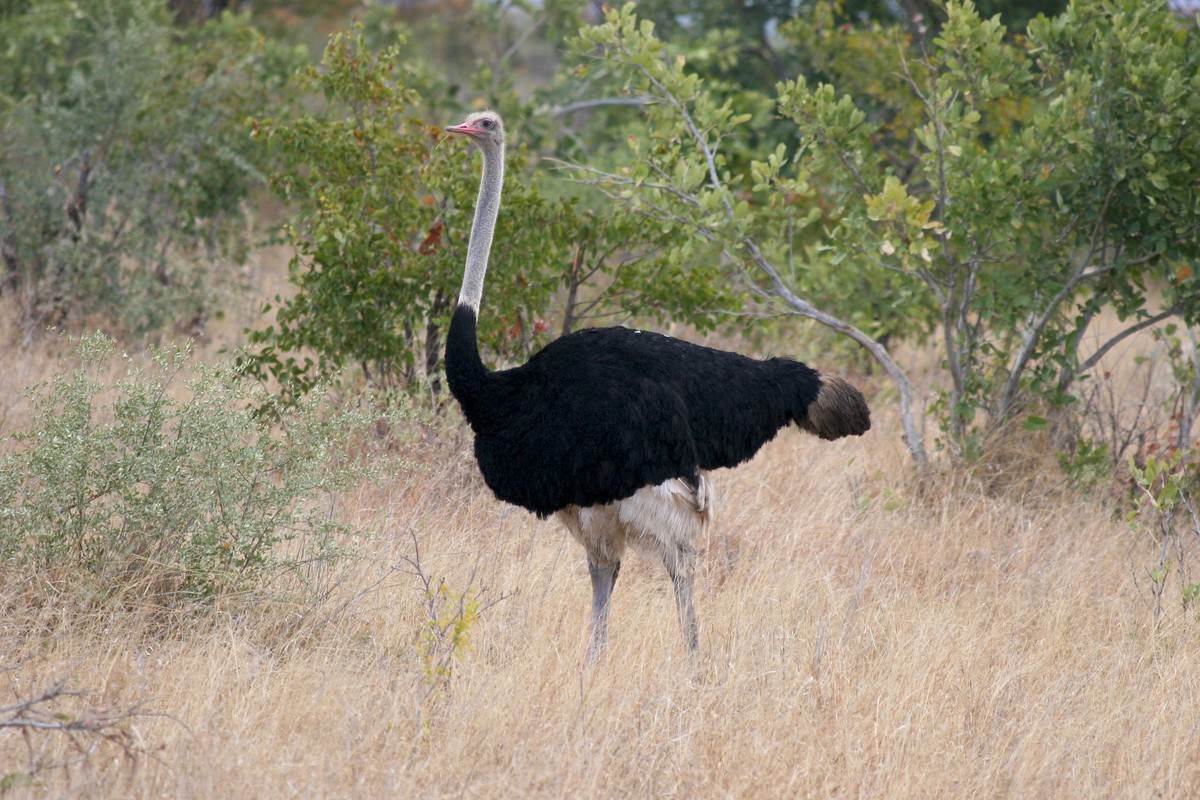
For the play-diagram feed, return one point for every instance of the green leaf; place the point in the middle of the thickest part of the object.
(1034, 423)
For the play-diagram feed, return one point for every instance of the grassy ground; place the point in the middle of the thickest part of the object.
(859, 638)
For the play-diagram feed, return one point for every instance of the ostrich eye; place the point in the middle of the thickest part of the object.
(486, 123)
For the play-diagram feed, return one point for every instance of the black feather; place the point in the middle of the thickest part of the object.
(603, 412)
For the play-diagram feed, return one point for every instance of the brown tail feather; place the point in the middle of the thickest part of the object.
(839, 410)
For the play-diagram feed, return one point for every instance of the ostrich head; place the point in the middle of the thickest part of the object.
(484, 128)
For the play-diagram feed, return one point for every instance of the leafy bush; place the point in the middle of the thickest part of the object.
(156, 496)
(1027, 188)
(1003, 193)
(383, 205)
(1165, 501)
(376, 264)
(123, 157)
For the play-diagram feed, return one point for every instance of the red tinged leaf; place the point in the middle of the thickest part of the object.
(433, 240)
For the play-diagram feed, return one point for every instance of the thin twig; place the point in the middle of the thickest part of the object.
(600, 102)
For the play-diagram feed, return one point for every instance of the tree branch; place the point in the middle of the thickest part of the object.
(1116, 339)
(709, 156)
(913, 437)
(600, 102)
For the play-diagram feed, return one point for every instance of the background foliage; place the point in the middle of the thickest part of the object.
(123, 167)
(905, 175)
(989, 191)
(384, 202)
(376, 265)
(165, 500)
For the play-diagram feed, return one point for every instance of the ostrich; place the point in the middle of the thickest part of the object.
(614, 430)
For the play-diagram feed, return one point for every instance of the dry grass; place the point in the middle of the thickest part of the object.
(859, 638)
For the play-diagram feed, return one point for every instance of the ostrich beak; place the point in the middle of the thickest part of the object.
(469, 130)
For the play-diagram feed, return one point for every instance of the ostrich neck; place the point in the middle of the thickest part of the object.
(470, 382)
(487, 207)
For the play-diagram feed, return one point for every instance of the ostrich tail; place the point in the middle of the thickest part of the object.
(839, 410)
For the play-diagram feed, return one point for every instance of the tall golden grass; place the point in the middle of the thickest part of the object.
(861, 636)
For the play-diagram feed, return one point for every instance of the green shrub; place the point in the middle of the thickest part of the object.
(123, 158)
(1003, 194)
(379, 233)
(148, 495)
(1165, 503)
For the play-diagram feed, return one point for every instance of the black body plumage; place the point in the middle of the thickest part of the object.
(600, 413)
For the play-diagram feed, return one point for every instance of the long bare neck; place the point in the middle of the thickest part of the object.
(487, 207)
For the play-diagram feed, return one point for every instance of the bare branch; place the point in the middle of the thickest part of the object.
(602, 178)
(1119, 337)
(1033, 334)
(85, 730)
(600, 102)
(913, 437)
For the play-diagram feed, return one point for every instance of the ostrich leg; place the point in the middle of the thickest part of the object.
(604, 576)
(681, 568)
